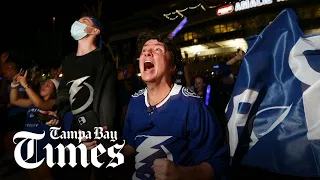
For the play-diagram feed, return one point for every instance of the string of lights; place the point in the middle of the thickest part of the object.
(178, 13)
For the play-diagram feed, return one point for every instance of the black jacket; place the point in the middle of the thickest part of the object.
(105, 94)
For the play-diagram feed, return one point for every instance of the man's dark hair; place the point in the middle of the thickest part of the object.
(169, 45)
(87, 14)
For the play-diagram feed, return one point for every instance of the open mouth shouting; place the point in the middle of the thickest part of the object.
(148, 66)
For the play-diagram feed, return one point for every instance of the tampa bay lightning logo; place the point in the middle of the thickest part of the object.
(308, 74)
(258, 131)
(76, 86)
(139, 93)
(189, 93)
(150, 149)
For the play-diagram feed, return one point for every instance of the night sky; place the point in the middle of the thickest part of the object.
(28, 32)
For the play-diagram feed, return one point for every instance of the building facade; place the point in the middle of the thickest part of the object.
(219, 29)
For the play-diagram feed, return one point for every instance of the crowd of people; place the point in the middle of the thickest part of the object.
(166, 108)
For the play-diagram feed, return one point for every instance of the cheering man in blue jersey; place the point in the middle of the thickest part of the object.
(168, 128)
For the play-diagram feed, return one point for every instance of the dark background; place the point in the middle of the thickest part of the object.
(28, 31)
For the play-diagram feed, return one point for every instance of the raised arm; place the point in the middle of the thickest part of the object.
(35, 99)
(14, 95)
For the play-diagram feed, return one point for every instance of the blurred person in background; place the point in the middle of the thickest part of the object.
(16, 115)
(228, 75)
(124, 94)
(237, 58)
(182, 75)
(222, 87)
(134, 83)
(235, 62)
(3, 81)
(3, 59)
(54, 73)
(44, 101)
(200, 86)
(3, 101)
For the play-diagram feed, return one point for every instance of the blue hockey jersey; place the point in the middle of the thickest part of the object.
(181, 129)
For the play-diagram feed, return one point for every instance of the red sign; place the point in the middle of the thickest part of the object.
(225, 10)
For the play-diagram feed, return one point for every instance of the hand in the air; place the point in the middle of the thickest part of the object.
(23, 79)
(4, 56)
(239, 56)
(15, 79)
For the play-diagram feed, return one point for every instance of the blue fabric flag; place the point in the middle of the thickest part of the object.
(274, 113)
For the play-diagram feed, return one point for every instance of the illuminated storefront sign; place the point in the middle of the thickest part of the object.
(248, 4)
(225, 10)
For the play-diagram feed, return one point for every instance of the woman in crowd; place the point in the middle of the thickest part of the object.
(213, 98)
(200, 86)
(45, 101)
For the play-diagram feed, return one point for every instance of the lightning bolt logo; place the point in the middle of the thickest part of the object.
(145, 149)
(75, 87)
(255, 135)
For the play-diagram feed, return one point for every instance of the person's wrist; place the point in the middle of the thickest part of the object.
(25, 85)
(14, 85)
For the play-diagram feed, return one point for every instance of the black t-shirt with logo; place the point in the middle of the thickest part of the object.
(80, 74)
